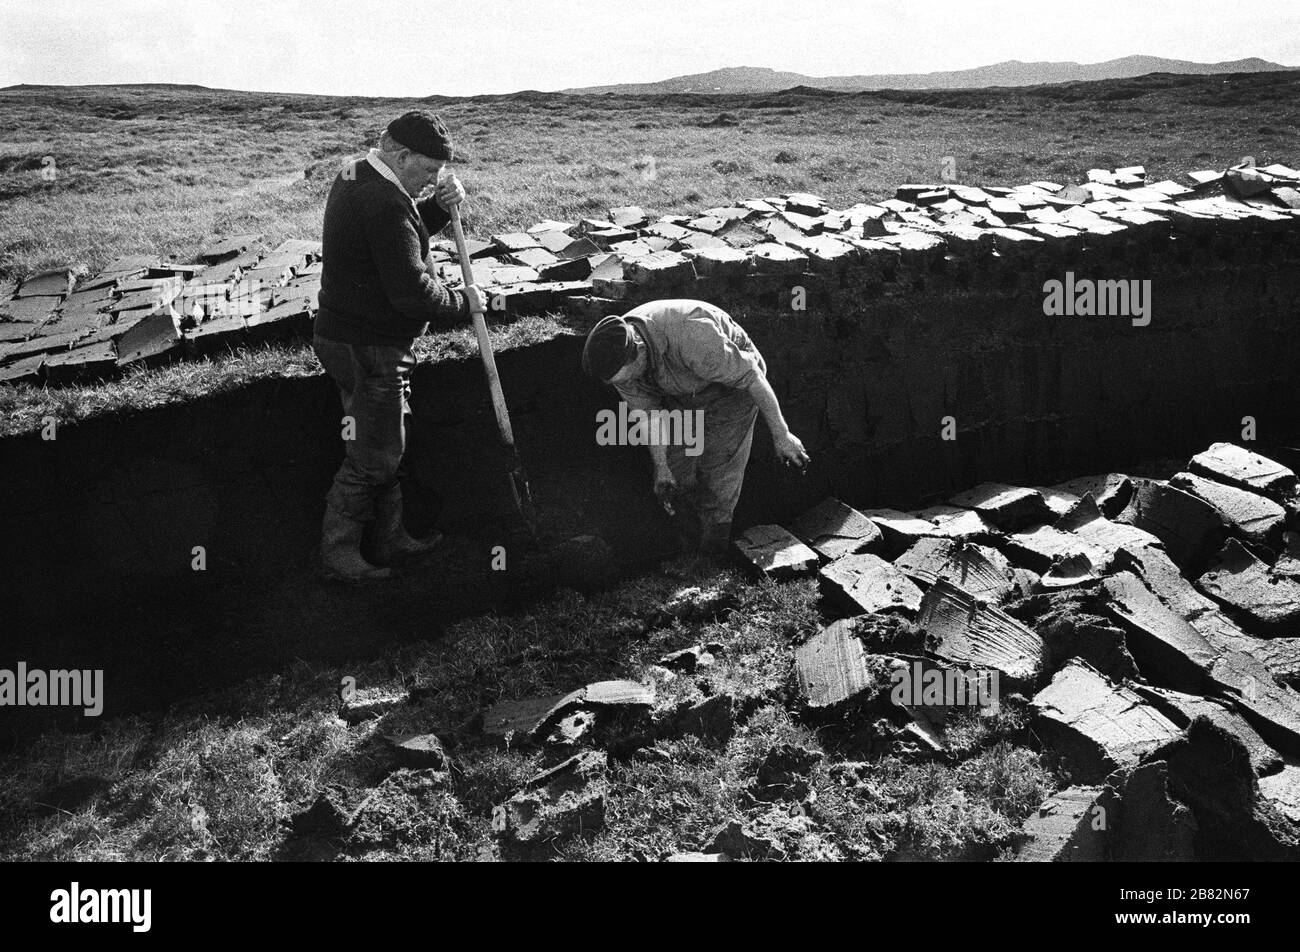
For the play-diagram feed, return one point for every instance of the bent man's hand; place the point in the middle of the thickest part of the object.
(665, 489)
(449, 192)
(478, 299)
(789, 450)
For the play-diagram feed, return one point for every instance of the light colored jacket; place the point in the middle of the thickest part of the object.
(695, 354)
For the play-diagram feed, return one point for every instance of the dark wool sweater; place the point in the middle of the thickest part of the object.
(375, 284)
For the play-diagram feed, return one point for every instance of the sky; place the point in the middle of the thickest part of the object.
(444, 47)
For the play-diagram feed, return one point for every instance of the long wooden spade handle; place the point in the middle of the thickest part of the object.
(484, 343)
(519, 488)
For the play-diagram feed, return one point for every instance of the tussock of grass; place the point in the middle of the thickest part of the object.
(934, 811)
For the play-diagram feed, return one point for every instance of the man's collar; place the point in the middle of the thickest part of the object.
(380, 166)
(651, 371)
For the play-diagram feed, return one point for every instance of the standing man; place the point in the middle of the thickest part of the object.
(689, 355)
(377, 295)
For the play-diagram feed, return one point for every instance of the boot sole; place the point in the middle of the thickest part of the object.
(331, 575)
(434, 543)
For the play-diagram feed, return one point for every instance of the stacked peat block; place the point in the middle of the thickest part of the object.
(1150, 627)
(239, 291)
(140, 309)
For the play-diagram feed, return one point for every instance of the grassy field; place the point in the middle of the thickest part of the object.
(163, 170)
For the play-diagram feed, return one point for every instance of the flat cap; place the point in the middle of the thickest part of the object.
(421, 131)
(610, 345)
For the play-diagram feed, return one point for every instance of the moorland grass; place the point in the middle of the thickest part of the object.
(165, 170)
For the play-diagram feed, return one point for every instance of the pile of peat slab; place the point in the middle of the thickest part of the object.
(139, 309)
(1150, 627)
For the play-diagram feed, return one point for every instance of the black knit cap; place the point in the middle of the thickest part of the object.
(610, 345)
(421, 131)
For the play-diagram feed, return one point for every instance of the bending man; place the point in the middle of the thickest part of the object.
(690, 355)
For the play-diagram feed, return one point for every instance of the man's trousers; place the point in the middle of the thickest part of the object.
(712, 480)
(374, 383)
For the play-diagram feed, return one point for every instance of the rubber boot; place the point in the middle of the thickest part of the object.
(686, 525)
(715, 539)
(340, 550)
(392, 542)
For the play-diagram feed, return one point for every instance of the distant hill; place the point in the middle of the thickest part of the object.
(755, 79)
(159, 86)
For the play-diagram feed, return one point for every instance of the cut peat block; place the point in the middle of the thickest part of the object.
(151, 338)
(368, 704)
(1242, 582)
(1062, 829)
(772, 258)
(1010, 508)
(866, 583)
(965, 631)
(660, 268)
(1097, 726)
(1271, 708)
(628, 216)
(776, 553)
(281, 322)
(1040, 549)
(1190, 528)
(573, 269)
(600, 699)
(1253, 516)
(93, 360)
(954, 522)
(23, 370)
(57, 282)
(722, 262)
(535, 258)
(981, 571)
(1182, 709)
(1086, 521)
(1146, 822)
(900, 530)
(514, 241)
(218, 251)
(833, 529)
(1238, 467)
(834, 670)
(554, 241)
(216, 335)
(1168, 650)
(511, 720)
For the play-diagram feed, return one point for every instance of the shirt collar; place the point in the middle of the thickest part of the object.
(382, 168)
(650, 376)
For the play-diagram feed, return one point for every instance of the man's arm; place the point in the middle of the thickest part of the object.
(664, 482)
(715, 357)
(396, 247)
(789, 448)
(436, 218)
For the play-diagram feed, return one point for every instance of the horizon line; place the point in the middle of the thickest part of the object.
(285, 92)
